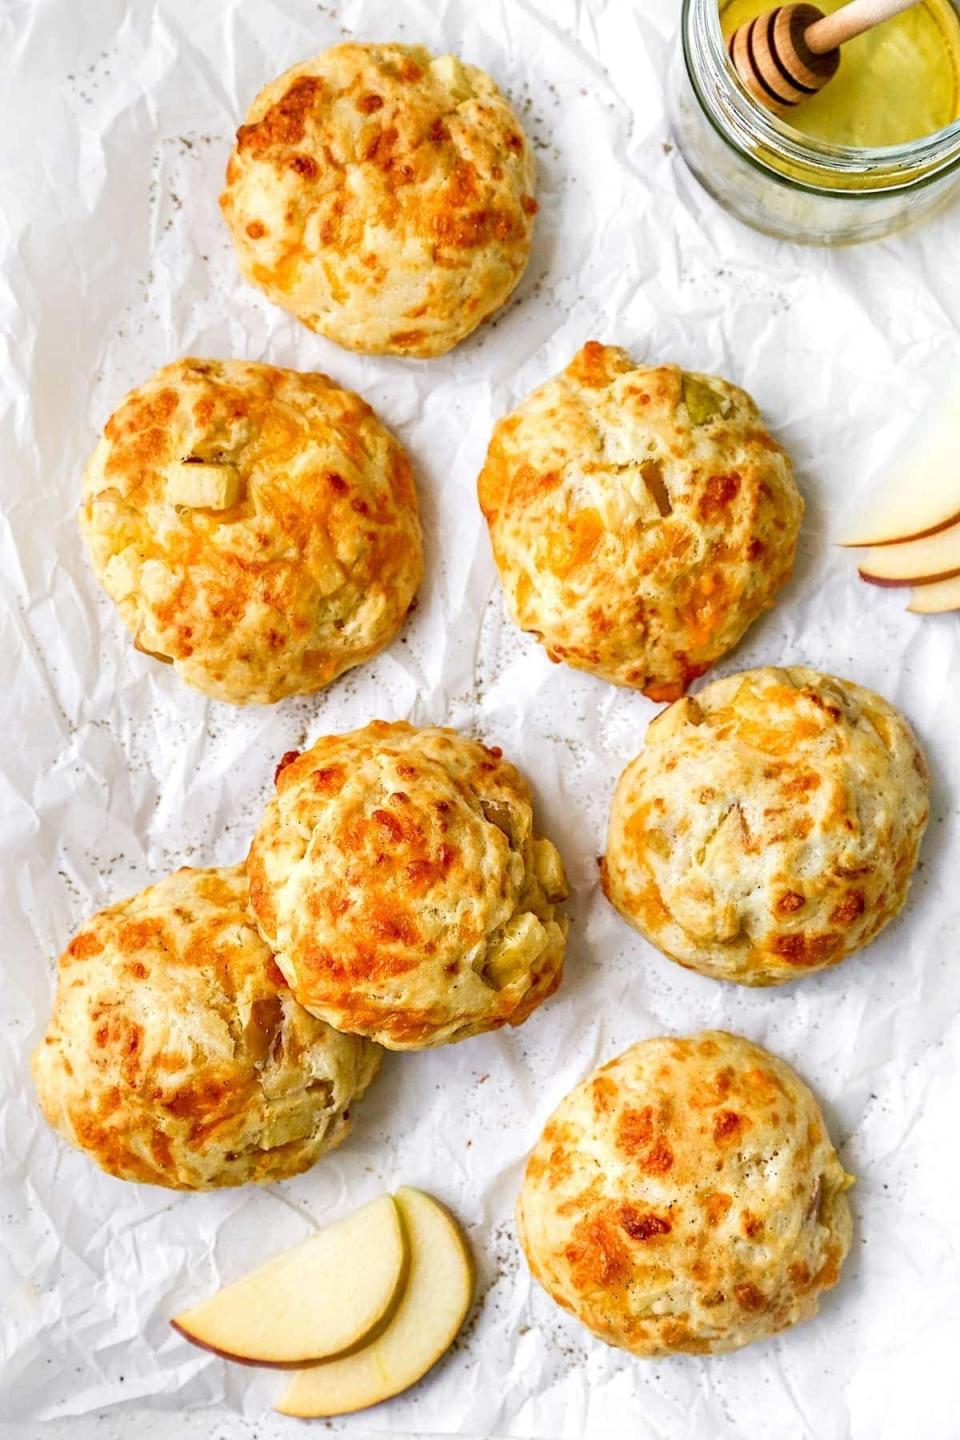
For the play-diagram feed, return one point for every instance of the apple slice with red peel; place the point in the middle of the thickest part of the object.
(915, 562)
(327, 1295)
(922, 495)
(434, 1306)
(910, 517)
(936, 598)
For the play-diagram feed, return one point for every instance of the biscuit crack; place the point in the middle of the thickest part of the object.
(715, 829)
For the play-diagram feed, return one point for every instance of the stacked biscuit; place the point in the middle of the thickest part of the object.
(258, 529)
(217, 1027)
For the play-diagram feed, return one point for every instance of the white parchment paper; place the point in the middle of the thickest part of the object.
(117, 121)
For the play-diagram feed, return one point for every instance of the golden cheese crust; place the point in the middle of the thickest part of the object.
(769, 827)
(641, 518)
(384, 196)
(176, 1054)
(257, 527)
(686, 1198)
(397, 877)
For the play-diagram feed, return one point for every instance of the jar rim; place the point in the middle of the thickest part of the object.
(743, 124)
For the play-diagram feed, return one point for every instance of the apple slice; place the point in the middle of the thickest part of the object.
(915, 562)
(922, 495)
(434, 1306)
(936, 598)
(332, 1292)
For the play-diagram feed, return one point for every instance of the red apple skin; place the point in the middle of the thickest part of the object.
(238, 1359)
(901, 539)
(307, 1361)
(914, 580)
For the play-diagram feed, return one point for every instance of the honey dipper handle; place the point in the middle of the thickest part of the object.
(852, 20)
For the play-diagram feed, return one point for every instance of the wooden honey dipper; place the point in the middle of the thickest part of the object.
(788, 54)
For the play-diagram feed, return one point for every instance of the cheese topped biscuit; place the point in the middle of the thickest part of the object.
(769, 827)
(641, 518)
(256, 527)
(384, 196)
(397, 875)
(686, 1198)
(176, 1054)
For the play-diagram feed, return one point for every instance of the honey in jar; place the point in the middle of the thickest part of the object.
(875, 150)
(897, 83)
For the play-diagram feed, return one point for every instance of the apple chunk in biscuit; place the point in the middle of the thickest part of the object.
(332, 1292)
(202, 485)
(434, 1306)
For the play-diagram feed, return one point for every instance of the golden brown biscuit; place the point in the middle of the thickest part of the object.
(686, 1197)
(769, 827)
(384, 196)
(641, 518)
(398, 878)
(257, 527)
(176, 1054)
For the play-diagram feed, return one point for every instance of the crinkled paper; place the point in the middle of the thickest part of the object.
(118, 118)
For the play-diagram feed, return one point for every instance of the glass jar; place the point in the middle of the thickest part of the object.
(780, 181)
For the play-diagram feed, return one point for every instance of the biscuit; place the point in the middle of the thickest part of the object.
(686, 1198)
(256, 527)
(384, 196)
(641, 518)
(769, 827)
(176, 1054)
(397, 876)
